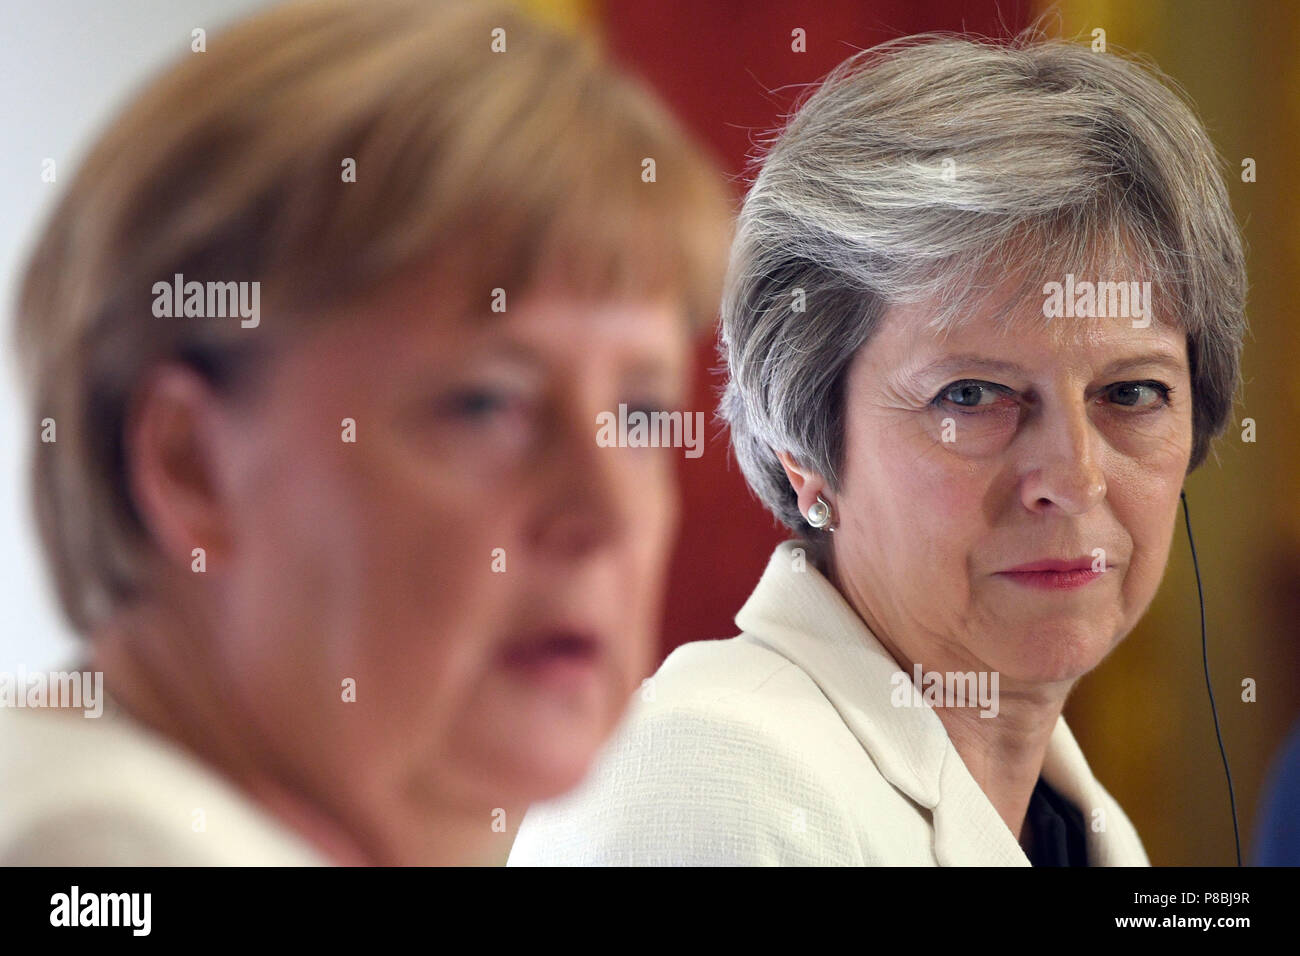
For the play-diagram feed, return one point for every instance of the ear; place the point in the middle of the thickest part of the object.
(171, 457)
(807, 484)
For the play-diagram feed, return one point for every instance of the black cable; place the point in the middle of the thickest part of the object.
(1205, 660)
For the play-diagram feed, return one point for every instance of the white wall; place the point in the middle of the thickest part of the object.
(65, 67)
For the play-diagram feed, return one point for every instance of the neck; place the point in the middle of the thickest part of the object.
(1005, 759)
(1004, 754)
(158, 671)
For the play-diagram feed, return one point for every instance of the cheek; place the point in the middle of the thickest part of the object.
(365, 570)
(652, 502)
(1145, 501)
(918, 499)
(415, 561)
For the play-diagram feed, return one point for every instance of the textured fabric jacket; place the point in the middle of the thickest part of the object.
(107, 791)
(781, 747)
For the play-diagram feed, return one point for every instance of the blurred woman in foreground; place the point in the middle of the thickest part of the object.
(324, 324)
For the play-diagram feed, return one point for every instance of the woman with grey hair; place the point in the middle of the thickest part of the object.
(983, 315)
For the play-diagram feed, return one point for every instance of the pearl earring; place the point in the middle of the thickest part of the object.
(819, 513)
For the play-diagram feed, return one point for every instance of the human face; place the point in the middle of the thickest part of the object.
(488, 576)
(953, 475)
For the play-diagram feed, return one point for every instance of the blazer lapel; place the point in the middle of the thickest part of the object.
(1112, 840)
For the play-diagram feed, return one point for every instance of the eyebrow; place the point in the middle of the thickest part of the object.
(952, 363)
(658, 371)
(650, 370)
(509, 351)
(515, 357)
(521, 358)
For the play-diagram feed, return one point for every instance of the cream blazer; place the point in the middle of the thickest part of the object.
(781, 747)
(106, 791)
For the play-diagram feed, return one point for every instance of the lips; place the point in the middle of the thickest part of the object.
(558, 646)
(1054, 574)
(1053, 564)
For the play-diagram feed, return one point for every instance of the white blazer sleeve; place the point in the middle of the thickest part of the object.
(700, 783)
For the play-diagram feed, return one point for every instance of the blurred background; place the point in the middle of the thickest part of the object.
(728, 68)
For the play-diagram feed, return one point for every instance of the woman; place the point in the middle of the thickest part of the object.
(318, 339)
(979, 436)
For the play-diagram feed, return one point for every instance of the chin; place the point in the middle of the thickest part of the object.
(535, 743)
(559, 779)
(542, 774)
(1055, 659)
(544, 759)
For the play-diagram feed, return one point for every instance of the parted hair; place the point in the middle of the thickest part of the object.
(931, 169)
(507, 167)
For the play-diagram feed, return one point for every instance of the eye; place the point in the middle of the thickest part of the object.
(648, 406)
(476, 403)
(1140, 394)
(971, 394)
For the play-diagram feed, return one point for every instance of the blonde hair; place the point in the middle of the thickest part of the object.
(519, 167)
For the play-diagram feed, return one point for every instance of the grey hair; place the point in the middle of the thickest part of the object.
(1060, 158)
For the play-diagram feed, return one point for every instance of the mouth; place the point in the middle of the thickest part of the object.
(1055, 574)
(561, 657)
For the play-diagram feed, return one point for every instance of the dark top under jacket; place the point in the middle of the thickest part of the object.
(1059, 837)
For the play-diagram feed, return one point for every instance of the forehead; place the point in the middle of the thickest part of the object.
(429, 303)
(1021, 335)
(424, 326)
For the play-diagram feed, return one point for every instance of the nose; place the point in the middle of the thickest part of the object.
(1062, 470)
(582, 504)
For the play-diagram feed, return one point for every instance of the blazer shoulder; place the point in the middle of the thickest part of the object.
(104, 793)
(728, 670)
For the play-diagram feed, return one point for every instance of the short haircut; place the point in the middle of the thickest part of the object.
(930, 168)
